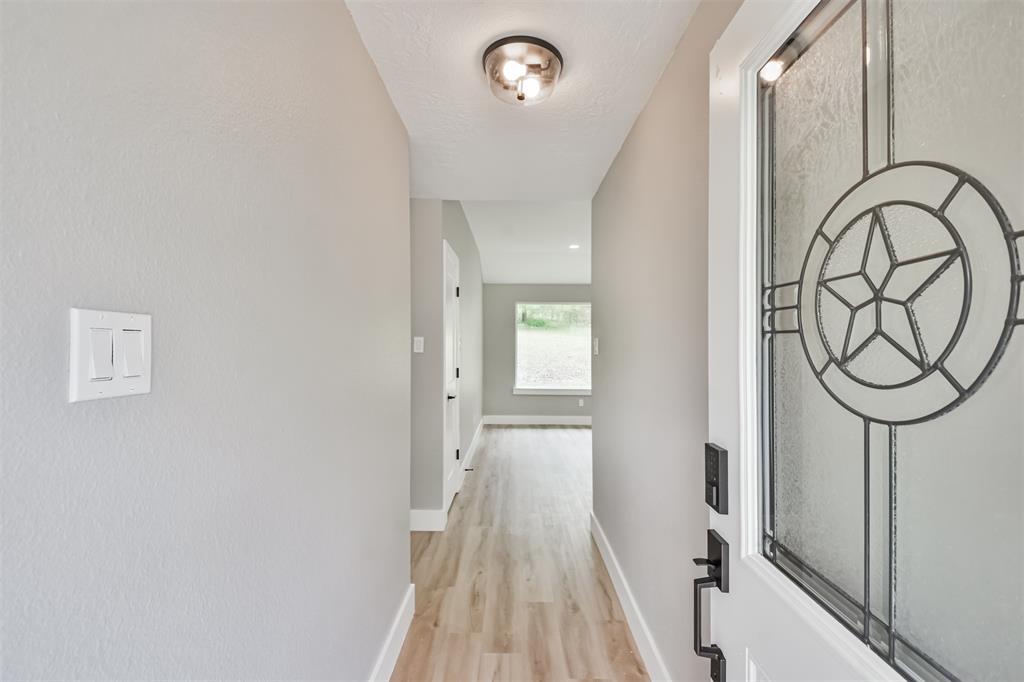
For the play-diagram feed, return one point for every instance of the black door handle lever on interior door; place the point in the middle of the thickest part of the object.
(451, 397)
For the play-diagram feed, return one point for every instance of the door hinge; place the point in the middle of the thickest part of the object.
(456, 454)
(456, 292)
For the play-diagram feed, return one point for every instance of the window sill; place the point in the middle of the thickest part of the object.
(550, 391)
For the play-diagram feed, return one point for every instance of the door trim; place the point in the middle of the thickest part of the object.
(734, 64)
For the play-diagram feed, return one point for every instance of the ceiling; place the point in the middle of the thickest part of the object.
(527, 242)
(467, 145)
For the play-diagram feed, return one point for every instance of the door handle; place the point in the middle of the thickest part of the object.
(711, 651)
(717, 563)
(451, 397)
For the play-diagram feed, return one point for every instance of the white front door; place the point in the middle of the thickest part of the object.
(453, 472)
(866, 361)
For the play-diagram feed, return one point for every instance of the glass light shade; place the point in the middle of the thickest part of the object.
(522, 70)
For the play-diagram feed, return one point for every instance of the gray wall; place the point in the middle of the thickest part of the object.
(650, 313)
(426, 473)
(237, 171)
(432, 221)
(500, 350)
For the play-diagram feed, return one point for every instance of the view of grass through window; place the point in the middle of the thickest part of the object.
(553, 346)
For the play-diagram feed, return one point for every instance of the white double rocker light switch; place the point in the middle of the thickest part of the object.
(111, 354)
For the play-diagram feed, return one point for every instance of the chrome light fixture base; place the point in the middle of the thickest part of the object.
(522, 70)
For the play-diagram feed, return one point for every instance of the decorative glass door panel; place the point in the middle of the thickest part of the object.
(892, 175)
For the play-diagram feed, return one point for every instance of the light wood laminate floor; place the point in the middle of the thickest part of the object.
(515, 589)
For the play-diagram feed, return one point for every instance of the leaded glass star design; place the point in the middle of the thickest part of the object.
(869, 288)
(896, 321)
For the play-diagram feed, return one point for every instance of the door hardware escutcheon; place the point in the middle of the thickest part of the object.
(717, 563)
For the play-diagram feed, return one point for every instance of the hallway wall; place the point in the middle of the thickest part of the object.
(500, 350)
(432, 221)
(650, 313)
(238, 171)
(426, 475)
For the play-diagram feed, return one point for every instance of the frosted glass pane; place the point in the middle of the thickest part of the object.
(818, 446)
(817, 138)
(959, 99)
(879, 533)
(961, 529)
(958, 79)
(819, 460)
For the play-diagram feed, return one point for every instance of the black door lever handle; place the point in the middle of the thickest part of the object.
(451, 397)
(714, 567)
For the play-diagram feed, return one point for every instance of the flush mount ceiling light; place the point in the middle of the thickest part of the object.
(522, 69)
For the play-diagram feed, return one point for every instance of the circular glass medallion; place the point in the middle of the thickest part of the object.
(887, 291)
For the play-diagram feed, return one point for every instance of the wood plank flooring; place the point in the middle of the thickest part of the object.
(515, 589)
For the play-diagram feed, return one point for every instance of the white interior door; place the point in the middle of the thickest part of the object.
(453, 472)
(866, 365)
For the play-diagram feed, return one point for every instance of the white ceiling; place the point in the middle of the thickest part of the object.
(525, 242)
(467, 145)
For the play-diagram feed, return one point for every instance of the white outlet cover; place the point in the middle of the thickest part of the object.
(111, 354)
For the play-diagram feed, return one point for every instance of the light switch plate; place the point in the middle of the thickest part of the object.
(111, 354)
(417, 344)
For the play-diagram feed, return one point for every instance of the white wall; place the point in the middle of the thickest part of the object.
(500, 350)
(432, 221)
(236, 170)
(650, 313)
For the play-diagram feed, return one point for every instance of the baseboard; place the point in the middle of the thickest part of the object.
(648, 650)
(473, 446)
(428, 519)
(392, 646)
(537, 420)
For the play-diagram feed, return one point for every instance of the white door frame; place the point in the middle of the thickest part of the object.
(452, 477)
(758, 29)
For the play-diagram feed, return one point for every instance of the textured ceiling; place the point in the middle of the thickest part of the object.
(465, 144)
(523, 242)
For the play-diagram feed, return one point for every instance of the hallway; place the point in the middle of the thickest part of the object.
(515, 588)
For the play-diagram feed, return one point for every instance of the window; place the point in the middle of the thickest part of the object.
(892, 368)
(552, 348)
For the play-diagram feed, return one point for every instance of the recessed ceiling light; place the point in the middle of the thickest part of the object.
(574, 246)
(522, 69)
